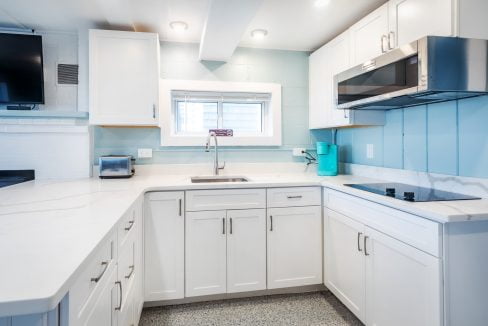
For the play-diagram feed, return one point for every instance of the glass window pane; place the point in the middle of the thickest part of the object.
(242, 117)
(196, 117)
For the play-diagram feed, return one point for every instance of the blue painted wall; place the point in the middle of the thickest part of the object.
(447, 138)
(180, 61)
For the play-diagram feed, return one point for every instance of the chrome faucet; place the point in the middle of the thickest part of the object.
(217, 167)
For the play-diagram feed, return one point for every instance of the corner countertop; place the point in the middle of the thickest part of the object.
(50, 229)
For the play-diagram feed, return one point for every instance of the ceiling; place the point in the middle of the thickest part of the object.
(291, 24)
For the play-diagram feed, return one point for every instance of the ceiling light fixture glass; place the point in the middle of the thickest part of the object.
(321, 3)
(259, 34)
(178, 26)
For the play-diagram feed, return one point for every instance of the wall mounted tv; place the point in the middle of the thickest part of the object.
(21, 73)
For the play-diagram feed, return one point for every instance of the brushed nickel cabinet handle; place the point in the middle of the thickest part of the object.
(132, 267)
(230, 220)
(223, 225)
(154, 111)
(294, 197)
(131, 224)
(271, 223)
(365, 249)
(359, 241)
(98, 278)
(120, 298)
(383, 38)
(180, 202)
(391, 38)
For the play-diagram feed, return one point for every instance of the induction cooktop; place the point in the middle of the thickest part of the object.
(410, 193)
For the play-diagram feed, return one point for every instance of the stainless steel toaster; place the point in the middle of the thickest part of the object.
(116, 166)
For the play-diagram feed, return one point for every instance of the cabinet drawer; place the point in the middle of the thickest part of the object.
(92, 276)
(127, 225)
(295, 196)
(211, 200)
(411, 229)
(127, 265)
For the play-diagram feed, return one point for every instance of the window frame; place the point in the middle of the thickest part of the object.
(270, 119)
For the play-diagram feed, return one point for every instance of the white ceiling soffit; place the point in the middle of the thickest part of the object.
(227, 20)
(291, 24)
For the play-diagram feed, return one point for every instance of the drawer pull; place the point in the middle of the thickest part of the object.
(96, 279)
(120, 298)
(131, 224)
(271, 223)
(131, 272)
(223, 225)
(294, 197)
(230, 220)
(179, 212)
(365, 249)
(359, 241)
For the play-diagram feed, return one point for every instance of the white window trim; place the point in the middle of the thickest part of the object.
(169, 136)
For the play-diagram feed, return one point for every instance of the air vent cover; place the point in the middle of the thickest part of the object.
(67, 74)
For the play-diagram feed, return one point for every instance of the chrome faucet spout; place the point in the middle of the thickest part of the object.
(217, 167)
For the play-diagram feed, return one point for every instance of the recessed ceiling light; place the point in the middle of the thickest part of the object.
(321, 3)
(259, 34)
(178, 26)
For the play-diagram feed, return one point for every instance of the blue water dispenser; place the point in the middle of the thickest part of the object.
(327, 157)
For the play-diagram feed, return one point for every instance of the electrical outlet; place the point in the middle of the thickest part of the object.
(144, 153)
(299, 151)
(370, 151)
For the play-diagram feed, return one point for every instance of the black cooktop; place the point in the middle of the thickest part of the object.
(410, 193)
(11, 177)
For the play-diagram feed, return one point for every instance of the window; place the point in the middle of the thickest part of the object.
(197, 112)
(191, 108)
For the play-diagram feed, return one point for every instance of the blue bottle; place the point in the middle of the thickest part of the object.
(327, 159)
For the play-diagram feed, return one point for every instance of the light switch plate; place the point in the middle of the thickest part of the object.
(144, 153)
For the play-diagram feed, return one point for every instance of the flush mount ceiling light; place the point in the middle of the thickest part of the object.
(178, 26)
(259, 34)
(321, 3)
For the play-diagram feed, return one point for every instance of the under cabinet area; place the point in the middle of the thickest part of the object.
(369, 270)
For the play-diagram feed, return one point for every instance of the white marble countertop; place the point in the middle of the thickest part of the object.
(49, 229)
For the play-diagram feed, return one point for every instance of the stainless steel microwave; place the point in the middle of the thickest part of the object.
(432, 69)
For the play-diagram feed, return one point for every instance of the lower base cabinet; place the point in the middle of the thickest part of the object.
(294, 246)
(380, 279)
(225, 251)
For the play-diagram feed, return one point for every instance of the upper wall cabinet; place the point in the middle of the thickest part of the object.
(329, 60)
(123, 78)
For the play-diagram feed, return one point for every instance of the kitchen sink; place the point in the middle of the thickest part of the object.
(218, 179)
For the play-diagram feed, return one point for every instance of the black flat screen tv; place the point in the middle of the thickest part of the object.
(21, 71)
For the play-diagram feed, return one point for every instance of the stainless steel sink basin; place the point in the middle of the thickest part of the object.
(218, 179)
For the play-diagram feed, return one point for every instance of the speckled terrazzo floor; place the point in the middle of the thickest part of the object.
(310, 309)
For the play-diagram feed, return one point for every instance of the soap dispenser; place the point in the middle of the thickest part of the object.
(327, 157)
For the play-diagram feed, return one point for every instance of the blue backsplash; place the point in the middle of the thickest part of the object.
(447, 138)
(180, 61)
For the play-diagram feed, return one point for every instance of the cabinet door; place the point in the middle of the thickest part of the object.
(320, 85)
(339, 57)
(294, 246)
(205, 253)
(164, 240)
(403, 284)
(123, 78)
(369, 36)
(104, 310)
(344, 260)
(414, 19)
(246, 250)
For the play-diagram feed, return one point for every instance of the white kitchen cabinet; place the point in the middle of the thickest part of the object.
(344, 261)
(294, 246)
(123, 78)
(369, 36)
(403, 284)
(325, 63)
(206, 262)
(410, 20)
(246, 250)
(164, 241)
(393, 283)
